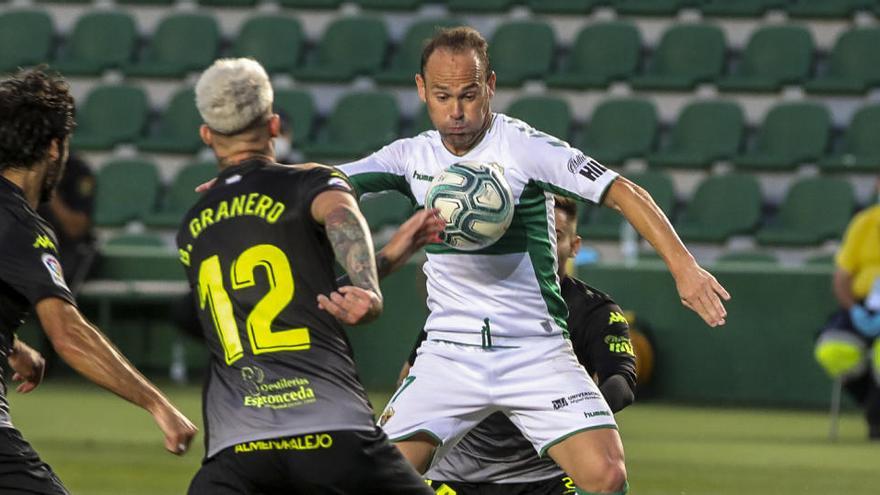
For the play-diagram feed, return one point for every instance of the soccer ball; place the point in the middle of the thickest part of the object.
(475, 201)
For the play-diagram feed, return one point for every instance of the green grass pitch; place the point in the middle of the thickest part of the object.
(100, 445)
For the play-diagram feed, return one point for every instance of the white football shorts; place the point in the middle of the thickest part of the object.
(540, 386)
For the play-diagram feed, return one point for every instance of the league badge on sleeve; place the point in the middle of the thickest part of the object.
(55, 271)
(338, 182)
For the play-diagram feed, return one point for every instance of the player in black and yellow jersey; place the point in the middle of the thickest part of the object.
(494, 458)
(284, 410)
(36, 119)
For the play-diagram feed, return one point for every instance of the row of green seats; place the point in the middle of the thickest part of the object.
(686, 55)
(814, 210)
(719, 8)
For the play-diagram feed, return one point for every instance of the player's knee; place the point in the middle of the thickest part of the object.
(841, 354)
(607, 476)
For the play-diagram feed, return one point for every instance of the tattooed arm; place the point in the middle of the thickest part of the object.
(360, 302)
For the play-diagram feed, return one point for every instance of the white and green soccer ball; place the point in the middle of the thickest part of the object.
(475, 201)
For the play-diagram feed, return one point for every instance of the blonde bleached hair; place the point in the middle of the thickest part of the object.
(232, 94)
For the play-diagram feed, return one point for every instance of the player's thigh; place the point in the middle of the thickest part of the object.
(21, 469)
(224, 474)
(550, 397)
(444, 395)
(361, 462)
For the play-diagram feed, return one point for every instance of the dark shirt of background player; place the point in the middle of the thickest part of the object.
(70, 212)
(495, 451)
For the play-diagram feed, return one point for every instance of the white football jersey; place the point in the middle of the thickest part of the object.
(509, 291)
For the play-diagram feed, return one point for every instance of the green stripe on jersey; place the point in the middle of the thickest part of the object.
(381, 181)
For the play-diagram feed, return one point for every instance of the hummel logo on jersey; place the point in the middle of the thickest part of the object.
(44, 242)
(559, 403)
(593, 414)
(424, 177)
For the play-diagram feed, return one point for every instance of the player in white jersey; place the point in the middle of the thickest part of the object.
(496, 332)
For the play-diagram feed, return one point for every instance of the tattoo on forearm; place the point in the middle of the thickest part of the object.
(349, 236)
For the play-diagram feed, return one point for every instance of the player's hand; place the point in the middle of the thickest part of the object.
(204, 186)
(867, 323)
(28, 365)
(177, 428)
(352, 305)
(422, 228)
(700, 292)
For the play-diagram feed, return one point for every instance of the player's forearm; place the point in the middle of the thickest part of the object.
(617, 392)
(89, 353)
(648, 219)
(350, 237)
(842, 285)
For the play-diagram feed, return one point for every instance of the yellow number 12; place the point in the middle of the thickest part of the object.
(213, 295)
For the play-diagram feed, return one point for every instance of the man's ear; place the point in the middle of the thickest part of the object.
(420, 86)
(575, 245)
(491, 84)
(274, 125)
(205, 134)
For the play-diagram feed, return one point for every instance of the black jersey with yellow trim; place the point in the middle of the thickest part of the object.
(257, 260)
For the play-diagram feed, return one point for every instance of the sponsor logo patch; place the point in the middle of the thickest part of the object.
(560, 403)
(587, 167)
(336, 181)
(54, 267)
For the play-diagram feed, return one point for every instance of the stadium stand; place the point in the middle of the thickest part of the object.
(180, 195)
(277, 42)
(350, 47)
(546, 113)
(706, 131)
(110, 115)
(774, 56)
(791, 134)
(854, 65)
(361, 122)
(601, 53)
(605, 223)
(688, 54)
(177, 130)
(182, 43)
(407, 58)
(25, 38)
(127, 191)
(722, 206)
(521, 50)
(87, 52)
(815, 209)
(620, 129)
(298, 107)
(859, 149)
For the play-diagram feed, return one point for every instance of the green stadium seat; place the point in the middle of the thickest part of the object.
(88, 53)
(129, 257)
(177, 130)
(275, 41)
(127, 191)
(182, 43)
(814, 209)
(620, 129)
(739, 8)
(854, 65)
(860, 147)
(389, 208)
(751, 256)
(548, 114)
(482, 6)
(722, 206)
(823, 259)
(181, 195)
(109, 116)
(688, 54)
(421, 122)
(390, 4)
(405, 63)
(826, 8)
(145, 2)
(310, 4)
(602, 53)
(651, 7)
(706, 131)
(298, 108)
(25, 38)
(350, 47)
(362, 122)
(228, 3)
(774, 56)
(791, 134)
(521, 50)
(605, 223)
(565, 7)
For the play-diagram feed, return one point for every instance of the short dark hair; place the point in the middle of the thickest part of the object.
(35, 108)
(458, 39)
(568, 206)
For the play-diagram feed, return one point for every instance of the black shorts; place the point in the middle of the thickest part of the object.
(562, 485)
(21, 470)
(333, 462)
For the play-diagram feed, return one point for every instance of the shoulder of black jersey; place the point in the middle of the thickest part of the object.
(579, 287)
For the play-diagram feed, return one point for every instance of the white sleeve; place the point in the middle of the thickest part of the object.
(381, 171)
(557, 167)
